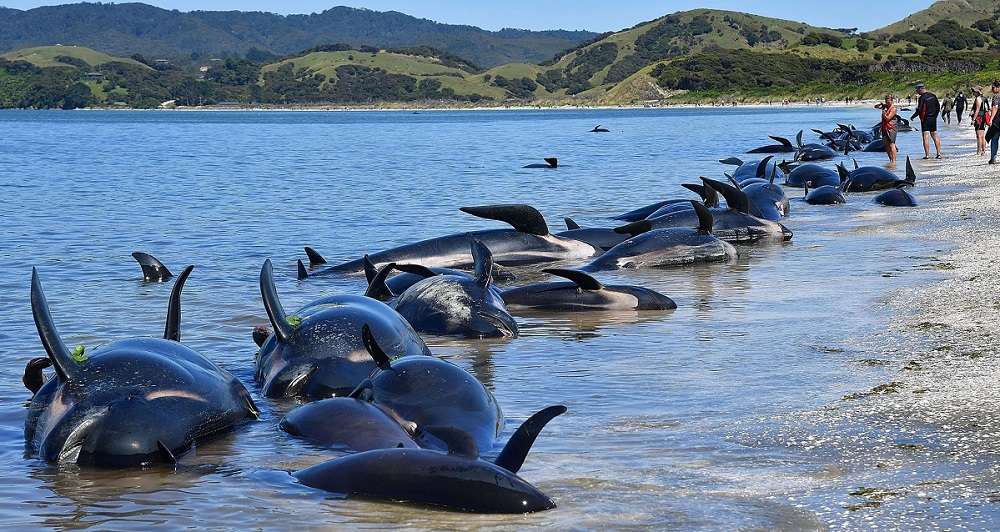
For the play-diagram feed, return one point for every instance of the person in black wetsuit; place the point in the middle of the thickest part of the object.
(960, 103)
(928, 108)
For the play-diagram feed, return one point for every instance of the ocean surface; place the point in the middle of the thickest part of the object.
(701, 418)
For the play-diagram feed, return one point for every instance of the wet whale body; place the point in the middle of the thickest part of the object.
(813, 175)
(754, 169)
(411, 274)
(708, 196)
(584, 293)
(317, 352)
(528, 242)
(602, 238)
(423, 392)
(870, 178)
(783, 146)
(457, 479)
(459, 305)
(824, 195)
(767, 200)
(153, 271)
(600, 129)
(550, 163)
(132, 402)
(347, 424)
(671, 246)
(896, 197)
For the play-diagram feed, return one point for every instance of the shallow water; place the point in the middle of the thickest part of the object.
(685, 420)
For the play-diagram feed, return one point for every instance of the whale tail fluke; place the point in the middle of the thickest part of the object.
(513, 454)
(571, 225)
(153, 271)
(523, 218)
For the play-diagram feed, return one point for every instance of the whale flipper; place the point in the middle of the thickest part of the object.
(315, 259)
(523, 218)
(570, 224)
(302, 273)
(583, 280)
(513, 454)
(172, 329)
(381, 359)
(272, 305)
(705, 220)
(153, 271)
(911, 176)
(459, 442)
(377, 289)
(62, 361)
(482, 259)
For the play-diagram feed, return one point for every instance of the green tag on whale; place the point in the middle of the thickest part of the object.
(294, 320)
(79, 354)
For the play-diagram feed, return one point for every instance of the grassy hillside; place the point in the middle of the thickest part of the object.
(63, 56)
(965, 12)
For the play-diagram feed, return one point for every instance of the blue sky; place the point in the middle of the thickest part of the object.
(596, 15)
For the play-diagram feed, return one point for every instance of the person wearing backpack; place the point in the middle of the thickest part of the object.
(928, 108)
(980, 113)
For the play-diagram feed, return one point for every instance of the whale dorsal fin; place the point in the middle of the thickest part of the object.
(571, 225)
(459, 442)
(583, 280)
(152, 269)
(781, 140)
(798, 139)
(62, 360)
(553, 162)
(636, 228)
(762, 166)
(301, 272)
(315, 259)
(736, 199)
(482, 260)
(370, 269)
(513, 454)
(172, 329)
(417, 269)
(822, 134)
(382, 360)
(732, 161)
(705, 220)
(844, 174)
(272, 305)
(523, 218)
(732, 180)
(911, 176)
(708, 194)
(377, 289)
(774, 172)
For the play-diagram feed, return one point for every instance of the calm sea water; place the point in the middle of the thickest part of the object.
(670, 415)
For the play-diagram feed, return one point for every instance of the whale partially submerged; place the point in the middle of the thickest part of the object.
(527, 242)
(708, 196)
(584, 293)
(129, 403)
(870, 178)
(783, 146)
(551, 163)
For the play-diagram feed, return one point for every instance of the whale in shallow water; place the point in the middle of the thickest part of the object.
(671, 246)
(708, 196)
(896, 197)
(824, 195)
(812, 174)
(783, 146)
(869, 178)
(600, 129)
(602, 238)
(346, 424)
(457, 479)
(754, 169)
(131, 402)
(550, 163)
(528, 242)
(767, 199)
(318, 352)
(453, 305)
(584, 293)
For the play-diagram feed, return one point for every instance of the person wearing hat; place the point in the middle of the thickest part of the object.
(980, 113)
(928, 108)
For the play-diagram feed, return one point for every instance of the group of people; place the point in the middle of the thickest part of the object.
(985, 116)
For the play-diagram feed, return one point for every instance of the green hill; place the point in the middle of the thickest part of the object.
(965, 12)
(66, 56)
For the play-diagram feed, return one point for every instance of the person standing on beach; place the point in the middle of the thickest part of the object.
(946, 109)
(993, 134)
(960, 102)
(928, 108)
(980, 111)
(889, 127)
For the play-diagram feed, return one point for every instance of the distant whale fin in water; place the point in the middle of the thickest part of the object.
(172, 329)
(523, 218)
(636, 228)
(513, 454)
(736, 199)
(459, 442)
(377, 289)
(62, 360)
(705, 220)
(381, 359)
(315, 259)
(275, 312)
(553, 162)
(583, 280)
(570, 224)
(152, 269)
(416, 269)
(732, 161)
(762, 167)
(302, 273)
(482, 258)
(911, 176)
(781, 140)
